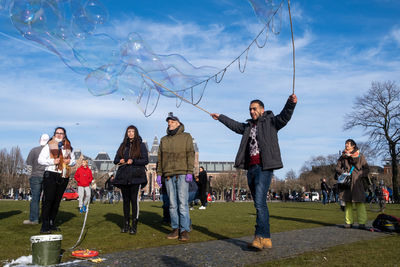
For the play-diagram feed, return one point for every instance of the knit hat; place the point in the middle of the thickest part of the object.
(172, 117)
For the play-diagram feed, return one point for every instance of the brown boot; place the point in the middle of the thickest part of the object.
(174, 234)
(184, 236)
(266, 242)
(260, 243)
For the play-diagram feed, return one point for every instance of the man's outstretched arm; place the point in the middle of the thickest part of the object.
(235, 126)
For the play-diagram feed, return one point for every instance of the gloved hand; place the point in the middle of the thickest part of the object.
(189, 177)
(158, 180)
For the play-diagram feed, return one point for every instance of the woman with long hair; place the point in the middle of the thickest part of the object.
(132, 156)
(57, 156)
(353, 163)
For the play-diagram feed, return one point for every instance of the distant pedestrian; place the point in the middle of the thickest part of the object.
(164, 198)
(109, 189)
(202, 184)
(325, 191)
(193, 192)
(131, 176)
(93, 191)
(353, 162)
(83, 177)
(176, 164)
(36, 179)
(335, 191)
(259, 154)
(57, 156)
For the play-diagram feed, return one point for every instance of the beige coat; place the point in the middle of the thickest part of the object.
(361, 169)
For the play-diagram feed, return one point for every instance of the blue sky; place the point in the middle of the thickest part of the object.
(341, 47)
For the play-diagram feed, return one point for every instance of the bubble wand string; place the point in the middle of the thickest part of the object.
(291, 29)
(182, 98)
(87, 212)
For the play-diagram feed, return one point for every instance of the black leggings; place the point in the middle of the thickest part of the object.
(53, 189)
(202, 193)
(130, 195)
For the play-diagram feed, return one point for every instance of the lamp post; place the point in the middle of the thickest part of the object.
(233, 189)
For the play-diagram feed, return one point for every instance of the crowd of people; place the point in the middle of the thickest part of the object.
(258, 153)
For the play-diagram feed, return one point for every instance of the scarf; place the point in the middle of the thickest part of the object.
(352, 154)
(173, 132)
(63, 151)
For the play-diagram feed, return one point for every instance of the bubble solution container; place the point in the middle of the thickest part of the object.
(46, 249)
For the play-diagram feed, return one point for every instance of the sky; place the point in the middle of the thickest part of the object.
(341, 47)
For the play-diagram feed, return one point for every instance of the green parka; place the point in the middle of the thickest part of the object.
(176, 154)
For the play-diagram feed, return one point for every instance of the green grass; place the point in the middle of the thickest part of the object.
(377, 252)
(219, 221)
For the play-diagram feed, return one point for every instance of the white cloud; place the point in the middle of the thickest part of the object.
(395, 34)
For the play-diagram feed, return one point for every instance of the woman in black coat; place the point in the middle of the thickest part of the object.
(132, 156)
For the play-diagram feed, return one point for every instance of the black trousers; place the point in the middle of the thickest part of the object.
(53, 189)
(130, 194)
(202, 194)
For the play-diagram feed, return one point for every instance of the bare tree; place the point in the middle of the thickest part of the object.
(291, 175)
(378, 112)
(368, 151)
(12, 169)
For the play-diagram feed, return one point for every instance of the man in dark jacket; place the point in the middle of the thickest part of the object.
(109, 187)
(259, 154)
(325, 191)
(176, 165)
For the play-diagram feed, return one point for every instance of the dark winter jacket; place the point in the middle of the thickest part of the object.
(202, 178)
(356, 193)
(268, 126)
(176, 154)
(324, 187)
(109, 184)
(134, 173)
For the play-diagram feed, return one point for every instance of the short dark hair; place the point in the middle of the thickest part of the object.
(259, 102)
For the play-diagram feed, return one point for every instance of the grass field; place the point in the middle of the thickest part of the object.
(219, 221)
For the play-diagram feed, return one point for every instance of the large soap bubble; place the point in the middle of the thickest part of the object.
(75, 31)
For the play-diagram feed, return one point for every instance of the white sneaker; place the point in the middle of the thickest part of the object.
(191, 208)
(202, 208)
(29, 222)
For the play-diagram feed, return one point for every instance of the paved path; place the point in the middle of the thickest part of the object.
(234, 252)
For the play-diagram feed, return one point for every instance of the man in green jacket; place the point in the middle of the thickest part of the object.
(176, 165)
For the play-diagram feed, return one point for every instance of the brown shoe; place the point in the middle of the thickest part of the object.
(184, 236)
(174, 234)
(266, 242)
(260, 243)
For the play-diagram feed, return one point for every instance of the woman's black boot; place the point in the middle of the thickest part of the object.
(133, 229)
(125, 229)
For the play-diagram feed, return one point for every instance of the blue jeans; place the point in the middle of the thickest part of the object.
(259, 182)
(110, 196)
(324, 197)
(192, 196)
(178, 193)
(36, 189)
